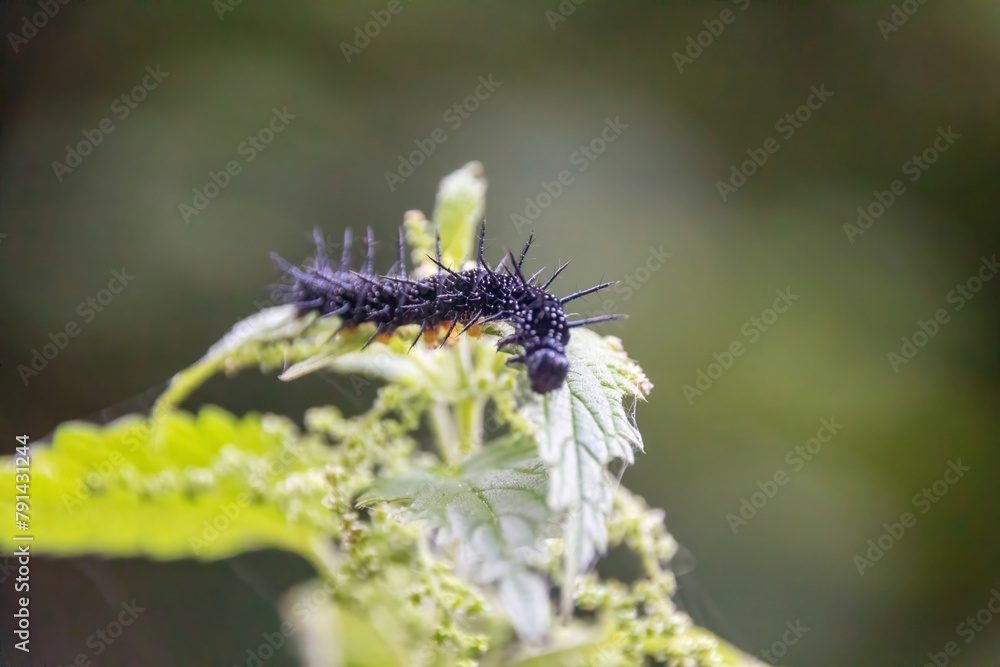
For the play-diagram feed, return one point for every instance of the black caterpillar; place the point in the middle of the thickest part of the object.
(477, 295)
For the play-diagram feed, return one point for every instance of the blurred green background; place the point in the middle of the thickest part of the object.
(559, 75)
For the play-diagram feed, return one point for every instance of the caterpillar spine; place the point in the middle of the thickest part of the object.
(471, 296)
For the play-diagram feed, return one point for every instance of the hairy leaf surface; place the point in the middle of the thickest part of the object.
(206, 486)
(581, 428)
(492, 513)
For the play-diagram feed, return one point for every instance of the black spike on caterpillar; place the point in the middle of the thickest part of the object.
(472, 296)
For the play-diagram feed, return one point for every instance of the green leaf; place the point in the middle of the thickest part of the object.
(205, 486)
(461, 200)
(469, 366)
(388, 360)
(271, 337)
(525, 596)
(581, 428)
(492, 513)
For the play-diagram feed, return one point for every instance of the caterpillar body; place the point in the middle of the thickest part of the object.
(471, 296)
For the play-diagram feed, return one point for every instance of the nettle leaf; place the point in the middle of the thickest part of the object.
(387, 359)
(273, 337)
(465, 368)
(581, 428)
(202, 486)
(492, 513)
(461, 200)
(264, 326)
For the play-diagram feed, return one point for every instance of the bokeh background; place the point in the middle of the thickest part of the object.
(561, 72)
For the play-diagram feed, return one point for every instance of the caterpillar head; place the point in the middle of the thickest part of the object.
(547, 369)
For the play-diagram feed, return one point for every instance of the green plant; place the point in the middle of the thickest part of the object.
(444, 558)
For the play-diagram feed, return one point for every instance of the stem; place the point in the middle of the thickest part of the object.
(458, 423)
(470, 411)
(458, 427)
(446, 432)
(184, 383)
(469, 421)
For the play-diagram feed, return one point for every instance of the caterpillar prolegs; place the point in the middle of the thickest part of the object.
(471, 296)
